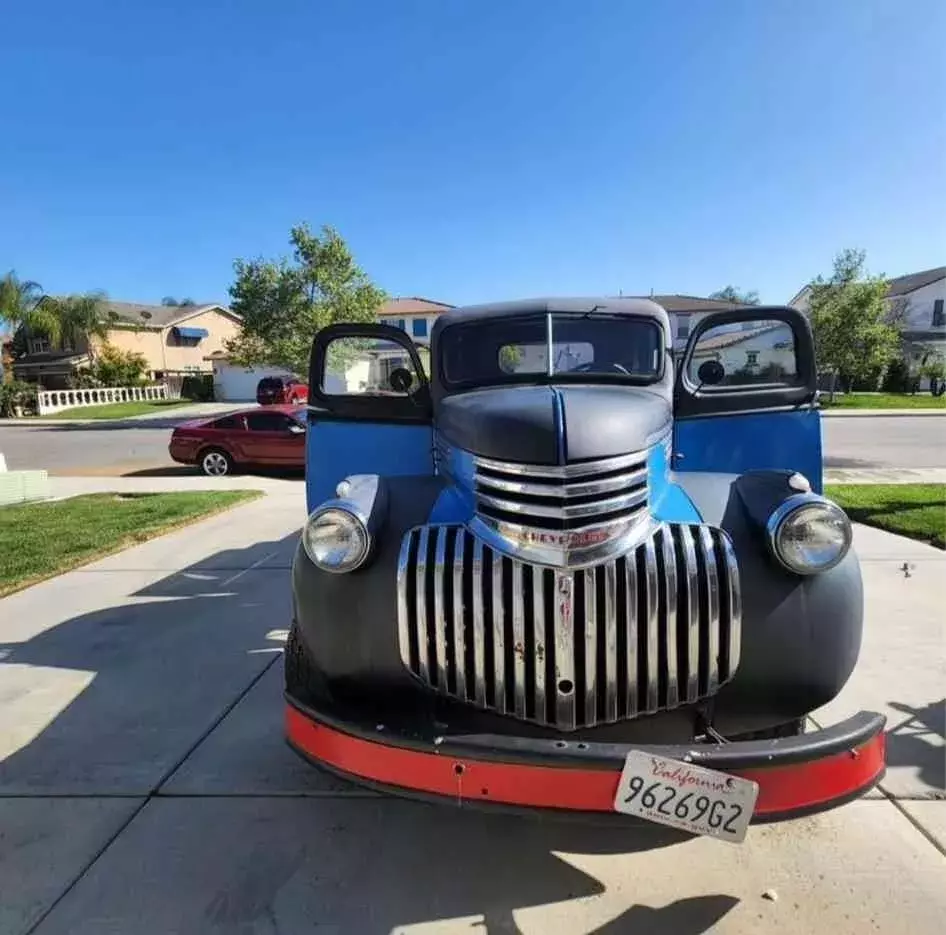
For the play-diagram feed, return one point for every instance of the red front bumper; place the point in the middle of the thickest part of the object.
(796, 775)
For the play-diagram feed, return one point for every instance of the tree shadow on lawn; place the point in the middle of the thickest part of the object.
(166, 665)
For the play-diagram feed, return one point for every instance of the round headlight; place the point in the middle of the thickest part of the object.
(335, 540)
(809, 534)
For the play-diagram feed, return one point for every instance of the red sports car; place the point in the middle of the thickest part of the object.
(274, 436)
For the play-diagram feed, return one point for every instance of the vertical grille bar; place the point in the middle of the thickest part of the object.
(420, 589)
(440, 617)
(650, 560)
(712, 590)
(633, 625)
(518, 640)
(479, 623)
(539, 648)
(543, 644)
(499, 637)
(670, 623)
(459, 615)
(564, 628)
(591, 646)
(610, 643)
(692, 611)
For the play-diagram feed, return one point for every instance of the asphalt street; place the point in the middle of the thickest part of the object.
(145, 785)
(125, 447)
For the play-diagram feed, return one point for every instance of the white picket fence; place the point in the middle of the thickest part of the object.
(49, 401)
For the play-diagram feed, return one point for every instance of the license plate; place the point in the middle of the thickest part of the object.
(692, 798)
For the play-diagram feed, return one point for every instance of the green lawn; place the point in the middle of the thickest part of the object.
(914, 510)
(884, 401)
(39, 540)
(118, 410)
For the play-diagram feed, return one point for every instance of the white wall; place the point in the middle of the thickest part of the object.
(919, 309)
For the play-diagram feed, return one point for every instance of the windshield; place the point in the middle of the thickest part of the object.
(558, 345)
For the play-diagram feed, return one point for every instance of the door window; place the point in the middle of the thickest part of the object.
(229, 422)
(357, 366)
(763, 354)
(268, 422)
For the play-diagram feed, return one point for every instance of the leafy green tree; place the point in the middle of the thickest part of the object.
(284, 302)
(169, 300)
(851, 321)
(736, 296)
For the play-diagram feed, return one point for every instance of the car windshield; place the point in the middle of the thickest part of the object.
(270, 383)
(556, 345)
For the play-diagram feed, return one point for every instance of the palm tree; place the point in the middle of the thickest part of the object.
(736, 296)
(18, 298)
(72, 319)
(182, 303)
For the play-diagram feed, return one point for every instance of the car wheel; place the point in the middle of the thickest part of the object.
(216, 463)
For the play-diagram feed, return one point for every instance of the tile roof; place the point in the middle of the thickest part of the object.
(159, 316)
(412, 305)
(689, 303)
(901, 285)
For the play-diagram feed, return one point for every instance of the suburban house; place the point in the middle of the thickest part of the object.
(174, 340)
(685, 312)
(919, 300)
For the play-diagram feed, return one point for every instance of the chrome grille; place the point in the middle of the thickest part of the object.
(651, 630)
(568, 497)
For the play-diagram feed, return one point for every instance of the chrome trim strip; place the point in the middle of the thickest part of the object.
(587, 488)
(575, 511)
(735, 603)
(420, 590)
(564, 651)
(591, 645)
(541, 638)
(633, 630)
(518, 640)
(440, 618)
(652, 636)
(670, 603)
(479, 622)
(610, 642)
(403, 620)
(564, 471)
(459, 633)
(692, 614)
(712, 591)
(499, 637)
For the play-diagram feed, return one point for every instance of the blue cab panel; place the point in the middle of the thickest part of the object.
(735, 443)
(335, 449)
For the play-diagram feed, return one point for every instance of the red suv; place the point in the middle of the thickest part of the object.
(281, 391)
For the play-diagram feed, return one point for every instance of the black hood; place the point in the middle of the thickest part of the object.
(553, 424)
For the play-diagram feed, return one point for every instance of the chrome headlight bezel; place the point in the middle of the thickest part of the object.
(792, 511)
(337, 513)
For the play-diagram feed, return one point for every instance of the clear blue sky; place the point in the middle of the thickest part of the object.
(472, 150)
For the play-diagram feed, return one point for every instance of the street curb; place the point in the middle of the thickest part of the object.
(885, 413)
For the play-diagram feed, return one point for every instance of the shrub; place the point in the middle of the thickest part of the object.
(897, 378)
(17, 394)
(114, 367)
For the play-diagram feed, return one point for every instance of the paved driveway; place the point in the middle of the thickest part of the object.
(145, 787)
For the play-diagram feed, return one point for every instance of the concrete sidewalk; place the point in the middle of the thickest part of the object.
(184, 412)
(145, 786)
(842, 413)
(277, 486)
(885, 475)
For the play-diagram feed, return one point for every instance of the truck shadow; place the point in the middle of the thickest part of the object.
(915, 741)
(161, 670)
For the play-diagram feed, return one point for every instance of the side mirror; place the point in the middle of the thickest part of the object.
(401, 379)
(710, 373)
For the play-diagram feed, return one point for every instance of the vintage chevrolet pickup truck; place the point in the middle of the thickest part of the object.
(566, 571)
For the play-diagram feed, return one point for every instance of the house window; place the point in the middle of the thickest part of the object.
(419, 327)
(752, 358)
(939, 319)
(39, 345)
(683, 327)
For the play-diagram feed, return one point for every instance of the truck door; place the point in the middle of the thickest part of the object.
(745, 395)
(369, 407)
